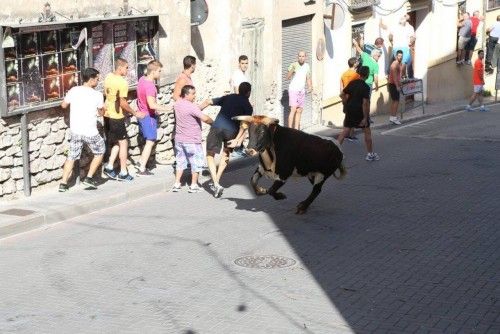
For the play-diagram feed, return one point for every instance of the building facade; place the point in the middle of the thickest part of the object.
(45, 45)
(435, 24)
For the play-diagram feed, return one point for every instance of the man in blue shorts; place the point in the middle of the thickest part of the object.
(146, 102)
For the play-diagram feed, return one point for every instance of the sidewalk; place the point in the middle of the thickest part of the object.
(48, 206)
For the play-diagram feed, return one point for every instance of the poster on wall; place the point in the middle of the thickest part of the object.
(124, 35)
(102, 50)
(31, 78)
(48, 41)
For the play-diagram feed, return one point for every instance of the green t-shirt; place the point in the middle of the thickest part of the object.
(369, 62)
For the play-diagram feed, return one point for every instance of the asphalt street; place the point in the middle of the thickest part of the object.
(407, 244)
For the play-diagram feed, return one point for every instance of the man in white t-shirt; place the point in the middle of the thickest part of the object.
(240, 75)
(86, 103)
(300, 73)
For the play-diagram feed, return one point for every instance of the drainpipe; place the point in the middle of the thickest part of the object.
(26, 157)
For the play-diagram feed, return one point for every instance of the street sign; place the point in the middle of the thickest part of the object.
(412, 87)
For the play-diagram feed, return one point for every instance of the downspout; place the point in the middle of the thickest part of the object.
(26, 158)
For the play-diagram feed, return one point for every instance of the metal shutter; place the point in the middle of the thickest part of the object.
(296, 36)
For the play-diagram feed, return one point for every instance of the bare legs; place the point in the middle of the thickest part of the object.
(294, 117)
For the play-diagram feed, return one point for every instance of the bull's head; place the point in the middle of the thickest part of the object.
(260, 129)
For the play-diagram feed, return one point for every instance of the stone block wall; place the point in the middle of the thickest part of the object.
(48, 132)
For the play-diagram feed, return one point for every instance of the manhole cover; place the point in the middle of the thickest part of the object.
(264, 261)
(17, 212)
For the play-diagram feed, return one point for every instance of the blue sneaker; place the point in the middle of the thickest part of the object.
(110, 173)
(483, 109)
(126, 177)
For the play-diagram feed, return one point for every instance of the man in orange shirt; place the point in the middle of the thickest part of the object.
(478, 82)
(348, 76)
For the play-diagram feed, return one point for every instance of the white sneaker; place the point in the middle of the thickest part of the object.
(468, 108)
(218, 191)
(194, 189)
(176, 188)
(372, 157)
(394, 120)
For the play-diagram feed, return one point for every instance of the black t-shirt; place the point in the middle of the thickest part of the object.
(357, 91)
(231, 105)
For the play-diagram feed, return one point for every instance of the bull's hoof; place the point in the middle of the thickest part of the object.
(259, 191)
(301, 209)
(279, 196)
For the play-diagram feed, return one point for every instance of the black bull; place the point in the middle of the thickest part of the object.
(285, 152)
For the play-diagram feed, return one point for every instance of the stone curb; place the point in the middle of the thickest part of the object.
(422, 117)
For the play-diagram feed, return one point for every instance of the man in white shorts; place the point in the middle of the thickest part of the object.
(478, 82)
(300, 73)
(86, 103)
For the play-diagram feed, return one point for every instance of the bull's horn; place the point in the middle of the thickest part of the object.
(242, 118)
(269, 120)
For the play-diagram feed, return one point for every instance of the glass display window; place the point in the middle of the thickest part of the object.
(42, 63)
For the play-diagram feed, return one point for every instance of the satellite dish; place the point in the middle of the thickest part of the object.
(336, 12)
(199, 12)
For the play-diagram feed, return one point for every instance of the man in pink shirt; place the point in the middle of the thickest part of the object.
(188, 148)
(146, 102)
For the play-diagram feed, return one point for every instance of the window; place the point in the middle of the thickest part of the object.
(356, 31)
(133, 40)
(493, 4)
(40, 66)
(41, 63)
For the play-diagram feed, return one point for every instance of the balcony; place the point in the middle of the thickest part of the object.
(356, 4)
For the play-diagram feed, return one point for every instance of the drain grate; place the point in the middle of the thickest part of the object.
(265, 261)
(17, 212)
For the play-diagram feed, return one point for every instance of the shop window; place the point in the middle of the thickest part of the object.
(41, 63)
(133, 41)
(493, 4)
(41, 67)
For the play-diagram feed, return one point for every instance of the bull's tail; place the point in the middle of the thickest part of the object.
(342, 172)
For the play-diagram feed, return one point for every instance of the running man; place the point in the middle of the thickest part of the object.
(116, 91)
(146, 103)
(188, 148)
(224, 133)
(356, 100)
(300, 73)
(478, 82)
(86, 103)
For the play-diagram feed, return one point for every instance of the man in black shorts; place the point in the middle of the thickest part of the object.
(356, 100)
(394, 86)
(225, 133)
